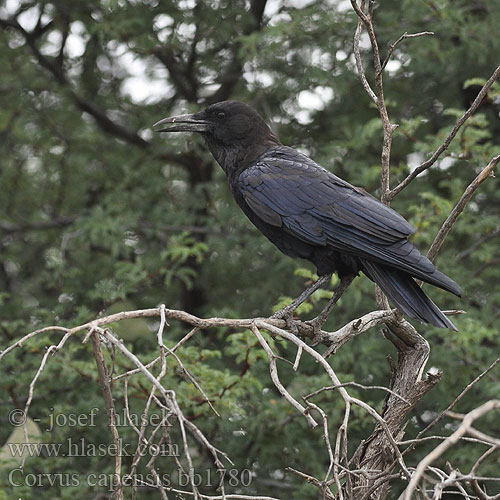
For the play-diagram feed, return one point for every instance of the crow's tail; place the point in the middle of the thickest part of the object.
(406, 295)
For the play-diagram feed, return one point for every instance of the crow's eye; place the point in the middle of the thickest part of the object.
(220, 115)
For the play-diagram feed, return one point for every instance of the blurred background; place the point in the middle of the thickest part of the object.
(99, 215)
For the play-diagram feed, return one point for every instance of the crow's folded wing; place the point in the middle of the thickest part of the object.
(287, 189)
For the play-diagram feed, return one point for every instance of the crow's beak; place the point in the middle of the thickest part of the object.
(183, 123)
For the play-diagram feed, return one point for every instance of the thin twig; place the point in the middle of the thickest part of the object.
(49, 351)
(404, 36)
(333, 377)
(359, 386)
(326, 438)
(447, 443)
(478, 243)
(455, 401)
(276, 380)
(21, 341)
(460, 206)
(444, 146)
(388, 128)
(297, 359)
(359, 64)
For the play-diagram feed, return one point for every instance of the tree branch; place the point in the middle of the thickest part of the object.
(57, 222)
(439, 151)
(55, 67)
(388, 128)
(454, 402)
(110, 407)
(463, 429)
(460, 206)
(404, 36)
(478, 243)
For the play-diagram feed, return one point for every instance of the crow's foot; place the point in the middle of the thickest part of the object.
(318, 322)
(287, 311)
(286, 315)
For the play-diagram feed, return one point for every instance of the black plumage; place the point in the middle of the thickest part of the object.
(309, 212)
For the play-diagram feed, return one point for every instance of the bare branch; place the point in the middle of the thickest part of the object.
(388, 128)
(359, 64)
(276, 381)
(460, 206)
(478, 243)
(450, 441)
(31, 390)
(402, 395)
(358, 386)
(457, 399)
(482, 458)
(339, 337)
(439, 151)
(333, 459)
(110, 407)
(404, 36)
(308, 478)
(21, 341)
(335, 340)
(333, 377)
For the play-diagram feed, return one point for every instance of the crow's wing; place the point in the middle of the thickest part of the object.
(287, 189)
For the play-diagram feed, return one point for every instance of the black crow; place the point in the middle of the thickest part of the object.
(308, 212)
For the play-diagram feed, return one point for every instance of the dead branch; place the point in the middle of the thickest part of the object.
(97, 333)
(487, 237)
(455, 401)
(110, 407)
(460, 206)
(404, 36)
(275, 378)
(444, 146)
(376, 452)
(463, 429)
(366, 473)
(388, 128)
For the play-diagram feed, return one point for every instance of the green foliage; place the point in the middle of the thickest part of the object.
(98, 216)
(181, 250)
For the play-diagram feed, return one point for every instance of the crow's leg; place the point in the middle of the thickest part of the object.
(320, 319)
(286, 312)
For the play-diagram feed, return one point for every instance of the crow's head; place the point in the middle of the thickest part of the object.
(223, 124)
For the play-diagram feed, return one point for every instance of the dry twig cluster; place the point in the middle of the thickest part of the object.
(346, 476)
(380, 458)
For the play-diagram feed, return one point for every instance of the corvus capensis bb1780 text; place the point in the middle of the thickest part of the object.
(308, 212)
